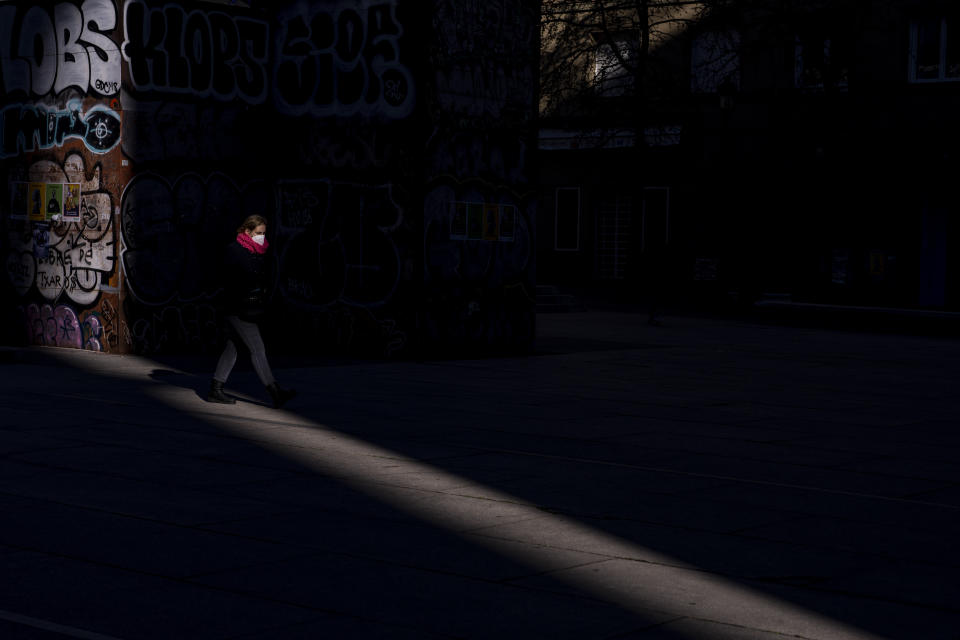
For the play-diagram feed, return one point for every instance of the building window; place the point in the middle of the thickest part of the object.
(715, 62)
(567, 223)
(656, 218)
(614, 236)
(613, 73)
(935, 49)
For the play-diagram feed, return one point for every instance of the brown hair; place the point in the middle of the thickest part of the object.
(251, 223)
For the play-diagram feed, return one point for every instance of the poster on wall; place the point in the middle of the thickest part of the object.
(71, 201)
(18, 201)
(37, 201)
(491, 222)
(508, 222)
(458, 221)
(54, 201)
(474, 221)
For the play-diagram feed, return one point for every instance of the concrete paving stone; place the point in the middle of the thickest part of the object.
(689, 413)
(195, 612)
(459, 512)
(413, 544)
(12, 443)
(23, 415)
(180, 505)
(131, 605)
(904, 582)
(686, 511)
(546, 426)
(887, 619)
(934, 471)
(442, 480)
(903, 542)
(790, 611)
(921, 510)
(945, 496)
(132, 543)
(826, 428)
(815, 477)
(12, 470)
(683, 547)
(304, 491)
(773, 410)
(69, 592)
(751, 431)
(690, 628)
(541, 475)
(521, 451)
(788, 453)
(198, 440)
(152, 466)
(19, 631)
(436, 450)
(881, 445)
(332, 626)
(609, 493)
(438, 603)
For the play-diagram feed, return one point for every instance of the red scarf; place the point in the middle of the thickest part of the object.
(250, 245)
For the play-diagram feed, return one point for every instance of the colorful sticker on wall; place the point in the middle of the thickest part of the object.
(54, 201)
(491, 221)
(37, 201)
(474, 221)
(458, 220)
(508, 222)
(71, 201)
(18, 201)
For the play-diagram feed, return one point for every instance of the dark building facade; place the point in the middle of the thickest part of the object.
(385, 141)
(793, 148)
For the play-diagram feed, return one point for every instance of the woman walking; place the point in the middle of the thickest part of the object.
(244, 303)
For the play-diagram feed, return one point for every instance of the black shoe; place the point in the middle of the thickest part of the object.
(217, 395)
(279, 395)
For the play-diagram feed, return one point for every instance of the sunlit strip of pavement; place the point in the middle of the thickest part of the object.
(633, 577)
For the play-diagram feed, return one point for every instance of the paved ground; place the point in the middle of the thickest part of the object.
(706, 479)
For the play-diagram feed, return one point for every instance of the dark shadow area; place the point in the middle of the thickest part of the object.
(150, 522)
(809, 470)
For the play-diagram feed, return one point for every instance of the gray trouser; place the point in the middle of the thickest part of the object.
(250, 334)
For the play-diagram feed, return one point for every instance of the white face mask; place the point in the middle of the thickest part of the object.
(259, 238)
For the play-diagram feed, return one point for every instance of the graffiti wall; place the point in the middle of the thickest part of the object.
(136, 135)
(479, 208)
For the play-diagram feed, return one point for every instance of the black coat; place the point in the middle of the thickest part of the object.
(246, 279)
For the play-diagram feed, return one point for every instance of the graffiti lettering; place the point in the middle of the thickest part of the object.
(199, 53)
(26, 128)
(107, 88)
(190, 327)
(342, 62)
(76, 51)
(66, 258)
(59, 327)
